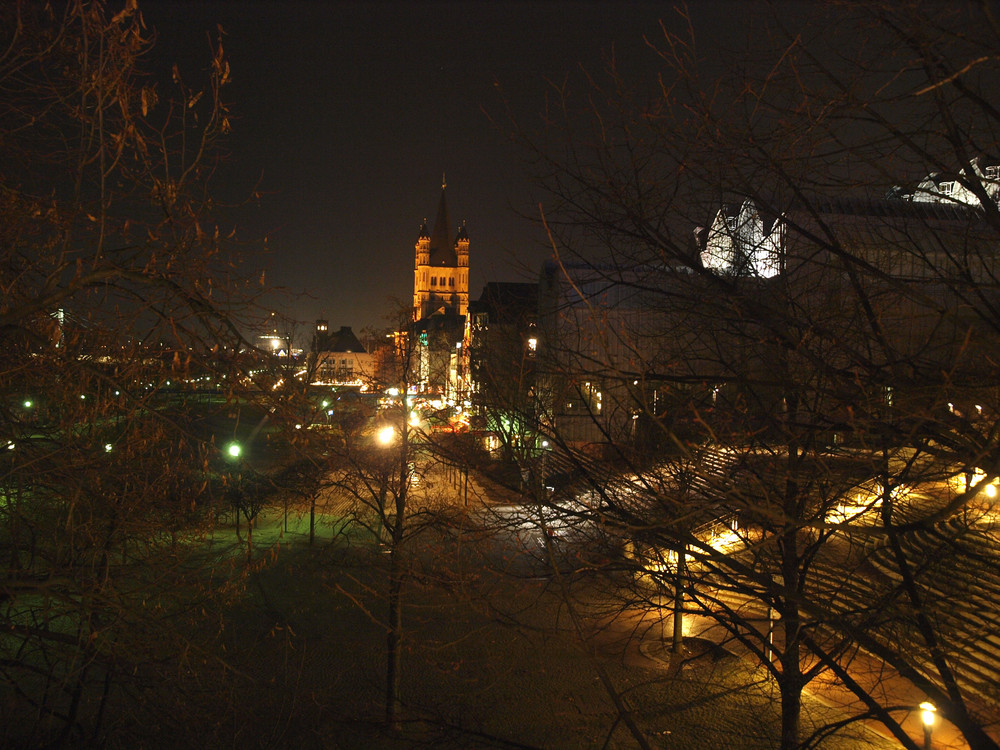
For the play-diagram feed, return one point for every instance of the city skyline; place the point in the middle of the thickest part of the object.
(347, 116)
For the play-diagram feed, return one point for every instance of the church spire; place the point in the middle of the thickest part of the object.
(442, 250)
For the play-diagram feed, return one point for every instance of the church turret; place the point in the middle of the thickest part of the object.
(423, 247)
(462, 247)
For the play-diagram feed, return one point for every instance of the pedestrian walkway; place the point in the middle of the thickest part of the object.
(709, 640)
(443, 485)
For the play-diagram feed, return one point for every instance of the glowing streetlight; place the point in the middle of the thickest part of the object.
(928, 715)
(234, 450)
(386, 435)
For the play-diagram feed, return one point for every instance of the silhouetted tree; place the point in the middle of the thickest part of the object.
(112, 273)
(784, 340)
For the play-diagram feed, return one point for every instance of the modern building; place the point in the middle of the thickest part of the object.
(963, 188)
(879, 303)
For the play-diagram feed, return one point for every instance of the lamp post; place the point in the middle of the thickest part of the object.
(928, 715)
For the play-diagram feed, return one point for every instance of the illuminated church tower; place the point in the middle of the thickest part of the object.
(441, 268)
(441, 307)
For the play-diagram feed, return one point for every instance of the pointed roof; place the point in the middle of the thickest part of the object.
(442, 249)
(344, 340)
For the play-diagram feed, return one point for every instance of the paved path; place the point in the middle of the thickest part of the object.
(440, 487)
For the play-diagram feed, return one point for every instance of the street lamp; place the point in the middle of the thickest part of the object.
(386, 435)
(928, 715)
(234, 450)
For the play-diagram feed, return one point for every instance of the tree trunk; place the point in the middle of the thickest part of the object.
(394, 637)
(312, 518)
(678, 639)
(790, 681)
(249, 540)
(393, 642)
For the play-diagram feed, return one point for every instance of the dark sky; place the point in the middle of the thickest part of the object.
(349, 113)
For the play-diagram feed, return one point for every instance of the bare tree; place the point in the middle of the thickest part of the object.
(373, 463)
(786, 354)
(112, 276)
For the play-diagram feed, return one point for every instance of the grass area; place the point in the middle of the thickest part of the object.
(489, 662)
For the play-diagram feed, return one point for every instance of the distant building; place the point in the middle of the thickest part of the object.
(441, 270)
(608, 344)
(274, 339)
(957, 189)
(740, 243)
(339, 358)
(503, 343)
(889, 293)
(440, 307)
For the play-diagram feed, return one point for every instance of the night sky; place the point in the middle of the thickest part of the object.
(348, 114)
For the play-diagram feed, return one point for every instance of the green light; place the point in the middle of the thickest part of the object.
(234, 450)
(28, 404)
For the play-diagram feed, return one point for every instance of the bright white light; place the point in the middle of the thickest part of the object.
(234, 450)
(28, 404)
(392, 391)
(532, 343)
(108, 447)
(386, 435)
(928, 713)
